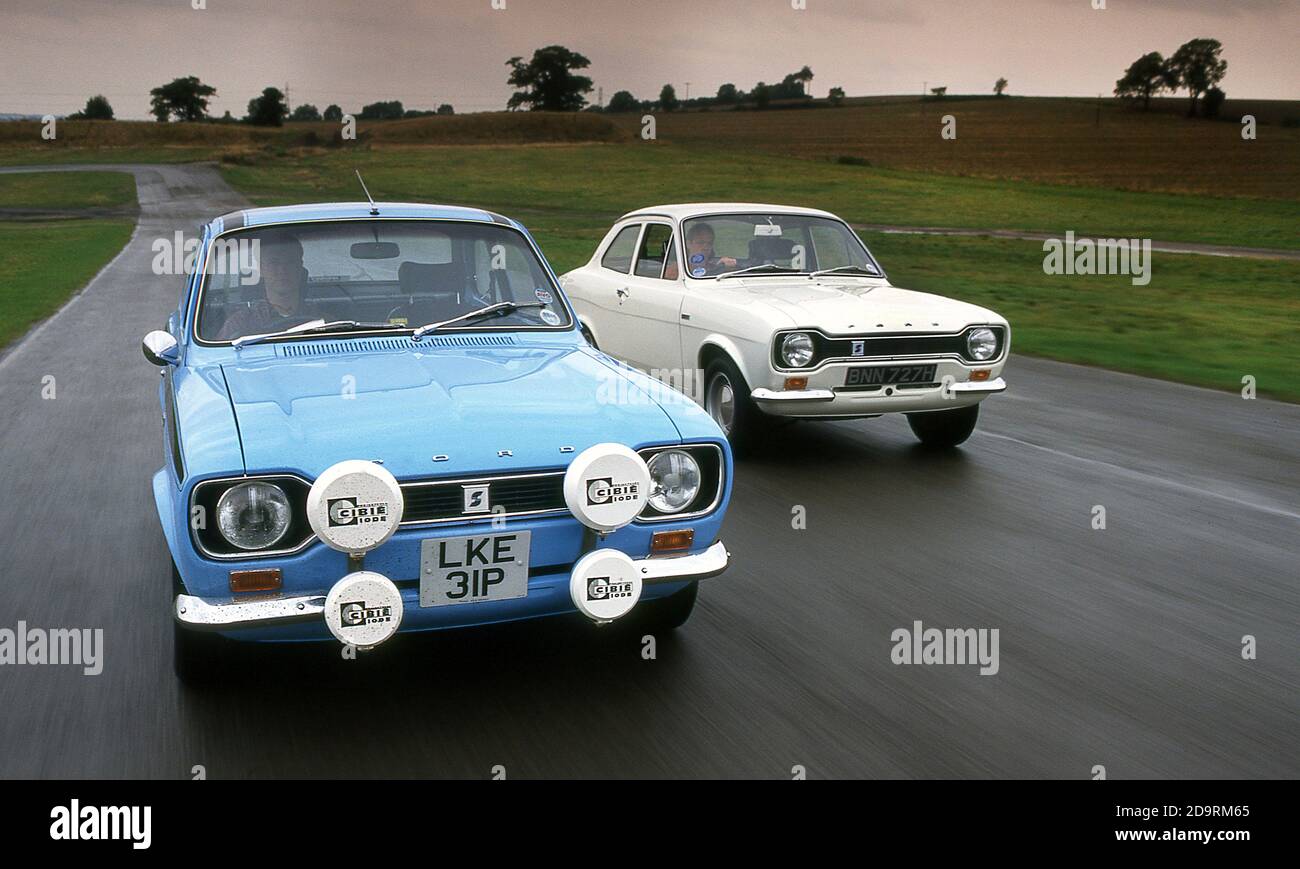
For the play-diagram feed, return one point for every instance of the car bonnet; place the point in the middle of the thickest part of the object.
(489, 410)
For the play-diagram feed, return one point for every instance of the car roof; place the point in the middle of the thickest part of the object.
(683, 210)
(354, 211)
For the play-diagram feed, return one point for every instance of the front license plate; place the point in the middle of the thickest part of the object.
(473, 569)
(879, 375)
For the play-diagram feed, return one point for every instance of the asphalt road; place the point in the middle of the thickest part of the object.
(1118, 647)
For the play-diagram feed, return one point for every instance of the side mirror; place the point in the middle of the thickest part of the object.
(160, 348)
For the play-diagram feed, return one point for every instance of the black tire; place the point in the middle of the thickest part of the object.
(738, 417)
(944, 428)
(197, 657)
(670, 613)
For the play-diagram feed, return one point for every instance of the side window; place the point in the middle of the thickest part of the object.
(618, 256)
(654, 249)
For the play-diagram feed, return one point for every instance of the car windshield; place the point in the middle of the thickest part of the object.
(373, 275)
(772, 244)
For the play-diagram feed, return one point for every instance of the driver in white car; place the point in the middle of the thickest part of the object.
(700, 256)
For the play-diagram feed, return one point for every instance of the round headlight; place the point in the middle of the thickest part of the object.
(253, 515)
(797, 349)
(674, 481)
(982, 344)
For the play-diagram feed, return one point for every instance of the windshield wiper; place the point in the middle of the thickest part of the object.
(764, 267)
(847, 270)
(501, 308)
(312, 326)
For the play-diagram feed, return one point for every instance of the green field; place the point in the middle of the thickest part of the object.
(1203, 320)
(67, 190)
(43, 263)
(608, 180)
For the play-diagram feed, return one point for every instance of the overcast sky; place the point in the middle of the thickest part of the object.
(56, 53)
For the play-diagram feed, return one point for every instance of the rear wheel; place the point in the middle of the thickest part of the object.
(726, 399)
(944, 428)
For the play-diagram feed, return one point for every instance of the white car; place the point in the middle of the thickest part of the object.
(787, 314)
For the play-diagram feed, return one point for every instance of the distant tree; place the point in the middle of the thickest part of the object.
(227, 118)
(1196, 65)
(268, 110)
(762, 95)
(547, 82)
(836, 96)
(668, 99)
(1000, 87)
(333, 113)
(804, 77)
(446, 109)
(1213, 102)
(727, 94)
(1145, 77)
(186, 99)
(305, 112)
(382, 111)
(939, 93)
(97, 109)
(623, 101)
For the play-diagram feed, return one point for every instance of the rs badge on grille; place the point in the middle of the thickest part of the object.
(476, 498)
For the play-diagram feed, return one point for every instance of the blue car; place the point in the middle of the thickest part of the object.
(384, 418)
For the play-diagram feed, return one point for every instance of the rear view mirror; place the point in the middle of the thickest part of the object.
(376, 250)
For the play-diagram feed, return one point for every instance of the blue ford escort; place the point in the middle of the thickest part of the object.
(384, 417)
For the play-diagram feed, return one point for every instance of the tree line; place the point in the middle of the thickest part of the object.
(186, 99)
(551, 80)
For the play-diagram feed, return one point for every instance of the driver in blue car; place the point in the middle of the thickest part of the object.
(282, 279)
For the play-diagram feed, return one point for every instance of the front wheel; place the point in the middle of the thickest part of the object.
(944, 428)
(197, 657)
(670, 613)
(726, 399)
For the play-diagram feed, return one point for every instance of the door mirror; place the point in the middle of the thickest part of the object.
(160, 348)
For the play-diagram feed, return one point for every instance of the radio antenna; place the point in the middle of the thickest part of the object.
(374, 209)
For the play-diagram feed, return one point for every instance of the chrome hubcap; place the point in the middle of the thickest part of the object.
(721, 402)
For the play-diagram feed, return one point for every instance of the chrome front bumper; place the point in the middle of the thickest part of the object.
(206, 614)
(822, 403)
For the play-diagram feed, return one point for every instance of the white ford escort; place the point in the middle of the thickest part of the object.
(787, 314)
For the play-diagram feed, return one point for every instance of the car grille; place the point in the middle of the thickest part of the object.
(893, 346)
(444, 500)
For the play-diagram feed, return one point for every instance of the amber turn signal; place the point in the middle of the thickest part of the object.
(981, 374)
(796, 383)
(672, 541)
(255, 580)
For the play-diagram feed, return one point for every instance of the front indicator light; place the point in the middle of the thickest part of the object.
(255, 580)
(672, 541)
(796, 383)
(980, 375)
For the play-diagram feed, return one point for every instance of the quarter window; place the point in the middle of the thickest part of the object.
(618, 256)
